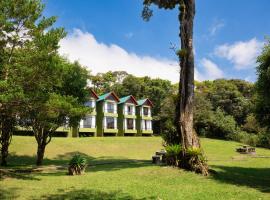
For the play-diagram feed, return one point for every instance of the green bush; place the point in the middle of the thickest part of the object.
(173, 154)
(77, 165)
(170, 135)
(215, 124)
(264, 139)
(195, 160)
(246, 138)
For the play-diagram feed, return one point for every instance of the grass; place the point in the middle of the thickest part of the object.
(120, 168)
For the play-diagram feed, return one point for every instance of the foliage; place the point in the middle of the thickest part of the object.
(18, 26)
(77, 165)
(173, 154)
(262, 87)
(123, 84)
(195, 159)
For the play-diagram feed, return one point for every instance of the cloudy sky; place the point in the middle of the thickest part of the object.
(111, 35)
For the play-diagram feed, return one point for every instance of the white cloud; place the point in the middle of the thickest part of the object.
(210, 70)
(100, 57)
(129, 35)
(242, 54)
(216, 26)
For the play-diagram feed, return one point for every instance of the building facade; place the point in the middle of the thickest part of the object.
(110, 116)
(144, 117)
(127, 116)
(107, 114)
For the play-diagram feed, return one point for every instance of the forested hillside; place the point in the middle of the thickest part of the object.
(223, 108)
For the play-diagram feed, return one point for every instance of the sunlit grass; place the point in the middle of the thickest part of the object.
(120, 168)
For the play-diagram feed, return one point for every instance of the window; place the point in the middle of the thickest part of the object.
(110, 122)
(130, 110)
(130, 124)
(146, 125)
(110, 107)
(90, 104)
(145, 111)
(87, 122)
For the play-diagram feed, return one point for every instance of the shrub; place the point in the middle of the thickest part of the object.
(244, 137)
(195, 161)
(215, 124)
(77, 165)
(264, 139)
(170, 135)
(173, 154)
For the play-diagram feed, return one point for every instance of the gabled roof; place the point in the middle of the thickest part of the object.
(126, 98)
(143, 101)
(93, 93)
(106, 95)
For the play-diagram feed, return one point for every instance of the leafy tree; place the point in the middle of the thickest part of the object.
(53, 95)
(18, 22)
(184, 109)
(234, 97)
(262, 87)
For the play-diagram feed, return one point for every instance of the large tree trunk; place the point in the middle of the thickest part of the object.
(186, 84)
(189, 138)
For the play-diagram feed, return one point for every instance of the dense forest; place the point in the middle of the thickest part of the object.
(223, 108)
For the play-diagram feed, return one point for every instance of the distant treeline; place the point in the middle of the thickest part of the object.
(223, 108)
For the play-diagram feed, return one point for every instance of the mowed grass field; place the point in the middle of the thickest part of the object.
(120, 168)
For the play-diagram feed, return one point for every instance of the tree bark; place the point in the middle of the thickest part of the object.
(43, 138)
(5, 139)
(40, 154)
(186, 84)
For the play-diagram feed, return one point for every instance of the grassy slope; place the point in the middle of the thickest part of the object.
(238, 176)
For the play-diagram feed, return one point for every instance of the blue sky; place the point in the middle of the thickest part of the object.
(111, 35)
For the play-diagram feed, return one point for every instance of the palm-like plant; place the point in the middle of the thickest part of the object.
(77, 165)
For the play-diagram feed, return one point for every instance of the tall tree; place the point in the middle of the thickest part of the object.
(18, 20)
(262, 87)
(184, 109)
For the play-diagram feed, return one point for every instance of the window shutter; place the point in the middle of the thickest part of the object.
(104, 122)
(115, 122)
(114, 108)
(149, 113)
(81, 123)
(134, 124)
(93, 121)
(126, 109)
(105, 106)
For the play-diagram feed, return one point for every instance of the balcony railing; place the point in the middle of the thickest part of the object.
(108, 110)
(110, 126)
(129, 113)
(88, 126)
(130, 127)
(147, 129)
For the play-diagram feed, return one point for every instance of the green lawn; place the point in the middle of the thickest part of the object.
(120, 168)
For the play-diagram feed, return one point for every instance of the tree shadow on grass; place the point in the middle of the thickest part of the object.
(8, 193)
(23, 166)
(14, 174)
(257, 178)
(89, 194)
